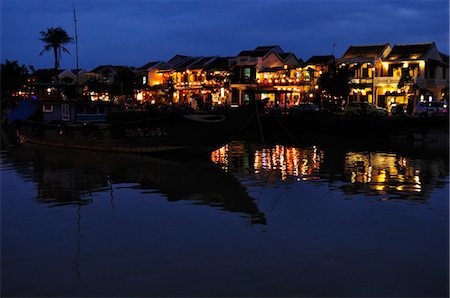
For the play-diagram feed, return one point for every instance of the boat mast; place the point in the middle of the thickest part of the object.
(76, 39)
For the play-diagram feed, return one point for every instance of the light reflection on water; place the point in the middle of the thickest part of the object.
(67, 177)
(383, 172)
(259, 220)
(363, 172)
(286, 162)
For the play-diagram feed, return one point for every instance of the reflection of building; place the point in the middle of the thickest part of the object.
(300, 163)
(280, 161)
(390, 173)
(63, 188)
(232, 157)
(67, 177)
(382, 171)
(366, 172)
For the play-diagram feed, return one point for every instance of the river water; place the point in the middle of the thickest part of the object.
(255, 220)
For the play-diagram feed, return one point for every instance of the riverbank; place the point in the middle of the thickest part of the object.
(431, 133)
(405, 134)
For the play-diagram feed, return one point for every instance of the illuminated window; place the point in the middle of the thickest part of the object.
(144, 80)
(246, 98)
(47, 108)
(247, 73)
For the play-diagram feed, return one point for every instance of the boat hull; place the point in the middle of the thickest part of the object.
(193, 133)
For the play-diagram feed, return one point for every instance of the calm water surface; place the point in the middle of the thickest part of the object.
(254, 221)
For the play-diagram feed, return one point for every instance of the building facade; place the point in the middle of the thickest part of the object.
(412, 73)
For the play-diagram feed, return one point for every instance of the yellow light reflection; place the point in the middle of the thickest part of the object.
(300, 163)
(382, 172)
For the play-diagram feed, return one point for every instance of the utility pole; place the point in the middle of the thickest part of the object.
(76, 40)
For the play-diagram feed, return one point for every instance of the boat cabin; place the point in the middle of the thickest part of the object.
(72, 111)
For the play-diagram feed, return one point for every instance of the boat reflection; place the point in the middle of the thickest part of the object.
(372, 173)
(74, 176)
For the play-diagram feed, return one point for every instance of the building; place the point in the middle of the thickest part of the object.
(151, 78)
(320, 64)
(412, 73)
(363, 62)
(264, 73)
(402, 74)
(109, 82)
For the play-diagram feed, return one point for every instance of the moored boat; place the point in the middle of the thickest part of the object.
(97, 126)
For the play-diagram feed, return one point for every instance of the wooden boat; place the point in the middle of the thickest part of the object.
(95, 126)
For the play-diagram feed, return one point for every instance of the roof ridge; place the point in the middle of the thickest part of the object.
(370, 45)
(414, 44)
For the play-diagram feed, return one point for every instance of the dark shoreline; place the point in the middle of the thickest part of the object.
(368, 133)
(412, 135)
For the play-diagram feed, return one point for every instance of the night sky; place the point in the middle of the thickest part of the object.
(134, 32)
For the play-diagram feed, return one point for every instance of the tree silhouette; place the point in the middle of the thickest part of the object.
(55, 39)
(123, 83)
(407, 82)
(13, 77)
(336, 84)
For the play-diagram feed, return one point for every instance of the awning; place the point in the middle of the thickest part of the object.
(24, 110)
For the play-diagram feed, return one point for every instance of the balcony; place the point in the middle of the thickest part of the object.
(363, 81)
(283, 82)
(421, 82)
(386, 80)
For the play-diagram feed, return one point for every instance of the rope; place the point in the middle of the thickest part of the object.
(287, 131)
(259, 124)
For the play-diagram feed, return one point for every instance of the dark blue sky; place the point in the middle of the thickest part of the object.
(133, 32)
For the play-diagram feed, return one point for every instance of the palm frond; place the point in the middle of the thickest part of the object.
(55, 38)
(65, 50)
(47, 48)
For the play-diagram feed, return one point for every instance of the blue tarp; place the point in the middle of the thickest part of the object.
(24, 110)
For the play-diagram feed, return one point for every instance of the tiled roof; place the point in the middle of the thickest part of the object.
(253, 53)
(164, 67)
(148, 65)
(219, 63)
(261, 51)
(44, 75)
(324, 59)
(275, 48)
(176, 59)
(185, 63)
(284, 55)
(266, 48)
(409, 51)
(200, 63)
(369, 51)
(116, 68)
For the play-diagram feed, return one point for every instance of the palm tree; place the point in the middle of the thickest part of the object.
(55, 39)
